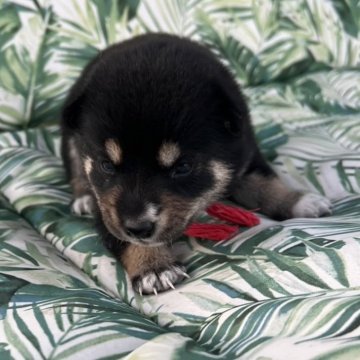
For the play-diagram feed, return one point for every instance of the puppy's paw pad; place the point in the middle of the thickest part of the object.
(83, 205)
(155, 281)
(312, 206)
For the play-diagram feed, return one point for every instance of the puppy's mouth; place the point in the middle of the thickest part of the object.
(167, 226)
(151, 241)
(145, 242)
(164, 233)
(164, 237)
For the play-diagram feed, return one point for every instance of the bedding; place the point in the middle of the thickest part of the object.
(278, 290)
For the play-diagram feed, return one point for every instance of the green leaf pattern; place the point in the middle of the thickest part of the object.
(279, 290)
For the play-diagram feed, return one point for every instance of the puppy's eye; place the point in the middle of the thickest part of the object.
(182, 169)
(107, 167)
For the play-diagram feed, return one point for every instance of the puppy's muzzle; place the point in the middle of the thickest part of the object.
(139, 230)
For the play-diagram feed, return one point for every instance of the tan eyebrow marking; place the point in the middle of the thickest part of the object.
(169, 152)
(113, 149)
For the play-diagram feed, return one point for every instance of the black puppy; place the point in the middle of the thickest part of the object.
(155, 130)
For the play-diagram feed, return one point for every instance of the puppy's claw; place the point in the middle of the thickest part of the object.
(183, 273)
(170, 284)
(158, 280)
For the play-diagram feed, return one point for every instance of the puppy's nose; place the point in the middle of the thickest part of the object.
(141, 230)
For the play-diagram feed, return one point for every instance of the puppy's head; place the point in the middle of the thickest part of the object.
(161, 126)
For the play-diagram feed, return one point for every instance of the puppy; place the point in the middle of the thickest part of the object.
(154, 131)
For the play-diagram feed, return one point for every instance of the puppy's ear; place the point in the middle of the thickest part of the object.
(233, 107)
(71, 113)
(72, 109)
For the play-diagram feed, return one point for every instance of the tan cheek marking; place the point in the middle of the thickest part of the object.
(107, 204)
(176, 212)
(168, 154)
(179, 211)
(88, 165)
(221, 173)
(114, 151)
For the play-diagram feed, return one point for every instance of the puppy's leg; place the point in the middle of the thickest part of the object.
(83, 202)
(260, 188)
(151, 269)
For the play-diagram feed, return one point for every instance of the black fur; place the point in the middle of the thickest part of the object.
(145, 92)
(155, 88)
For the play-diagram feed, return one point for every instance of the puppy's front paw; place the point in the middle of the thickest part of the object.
(158, 280)
(83, 205)
(312, 206)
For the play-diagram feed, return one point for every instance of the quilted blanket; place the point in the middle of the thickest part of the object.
(279, 290)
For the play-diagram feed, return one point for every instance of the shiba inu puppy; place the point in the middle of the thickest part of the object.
(154, 131)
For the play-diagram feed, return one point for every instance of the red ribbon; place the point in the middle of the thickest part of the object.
(233, 214)
(218, 232)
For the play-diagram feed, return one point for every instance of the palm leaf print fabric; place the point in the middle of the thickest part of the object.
(280, 290)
